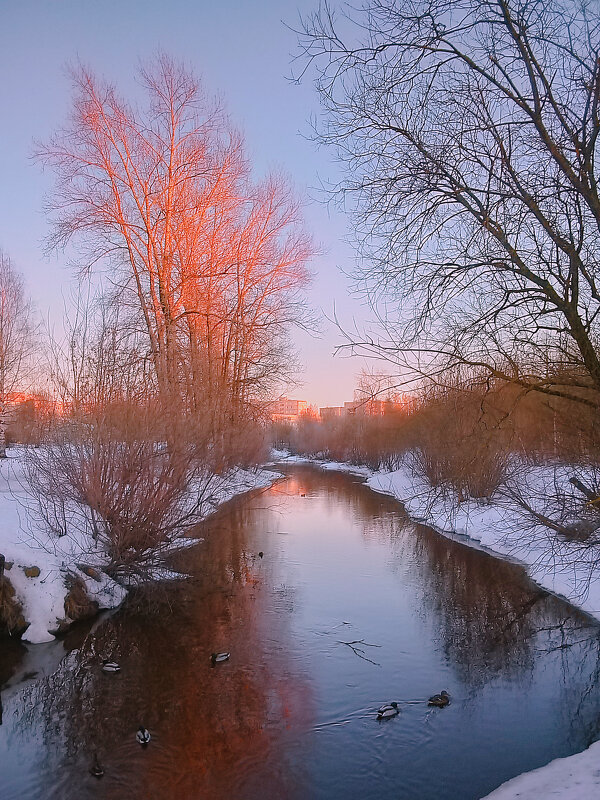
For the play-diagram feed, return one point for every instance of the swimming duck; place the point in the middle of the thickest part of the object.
(143, 736)
(97, 770)
(440, 700)
(387, 711)
(261, 554)
(110, 666)
(217, 658)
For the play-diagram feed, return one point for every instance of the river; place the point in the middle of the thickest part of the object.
(350, 606)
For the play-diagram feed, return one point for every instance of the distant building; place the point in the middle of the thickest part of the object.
(332, 411)
(286, 410)
(369, 407)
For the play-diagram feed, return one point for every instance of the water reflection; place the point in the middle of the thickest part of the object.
(488, 612)
(206, 722)
(493, 622)
(291, 714)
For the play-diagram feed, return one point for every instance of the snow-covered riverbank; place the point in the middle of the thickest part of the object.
(495, 526)
(573, 778)
(38, 564)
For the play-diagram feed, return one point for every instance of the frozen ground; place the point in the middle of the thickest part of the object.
(25, 543)
(500, 527)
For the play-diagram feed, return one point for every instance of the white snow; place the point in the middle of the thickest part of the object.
(573, 778)
(25, 542)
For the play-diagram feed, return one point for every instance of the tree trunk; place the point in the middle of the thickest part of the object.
(2, 431)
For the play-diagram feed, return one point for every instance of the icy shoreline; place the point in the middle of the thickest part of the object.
(572, 778)
(484, 525)
(28, 549)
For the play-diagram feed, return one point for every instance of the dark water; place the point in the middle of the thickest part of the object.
(291, 715)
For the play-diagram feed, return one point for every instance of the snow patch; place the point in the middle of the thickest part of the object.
(573, 778)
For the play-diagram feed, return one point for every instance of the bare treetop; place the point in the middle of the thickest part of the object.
(213, 262)
(16, 338)
(470, 133)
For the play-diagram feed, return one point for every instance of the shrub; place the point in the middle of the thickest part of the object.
(120, 488)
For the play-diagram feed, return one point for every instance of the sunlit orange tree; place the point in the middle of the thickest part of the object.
(213, 262)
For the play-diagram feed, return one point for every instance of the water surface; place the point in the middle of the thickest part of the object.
(349, 607)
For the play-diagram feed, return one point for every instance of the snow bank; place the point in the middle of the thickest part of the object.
(279, 456)
(574, 778)
(24, 542)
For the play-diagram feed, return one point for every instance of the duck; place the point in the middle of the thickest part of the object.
(217, 658)
(97, 770)
(388, 711)
(260, 554)
(143, 736)
(440, 700)
(110, 666)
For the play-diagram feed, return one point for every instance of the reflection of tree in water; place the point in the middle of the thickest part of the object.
(491, 619)
(576, 643)
(494, 622)
(232, 730)
(13, 652)
(489, 612)
(206, 721)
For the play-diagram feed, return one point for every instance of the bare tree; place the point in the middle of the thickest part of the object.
(103, 476)
(102, 357)
(16, 337)
(375, 385)
(212, 261)
(469, 133)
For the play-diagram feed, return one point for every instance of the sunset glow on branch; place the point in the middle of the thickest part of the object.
(214, 261)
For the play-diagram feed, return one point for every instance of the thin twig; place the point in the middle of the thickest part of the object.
(359, 651)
